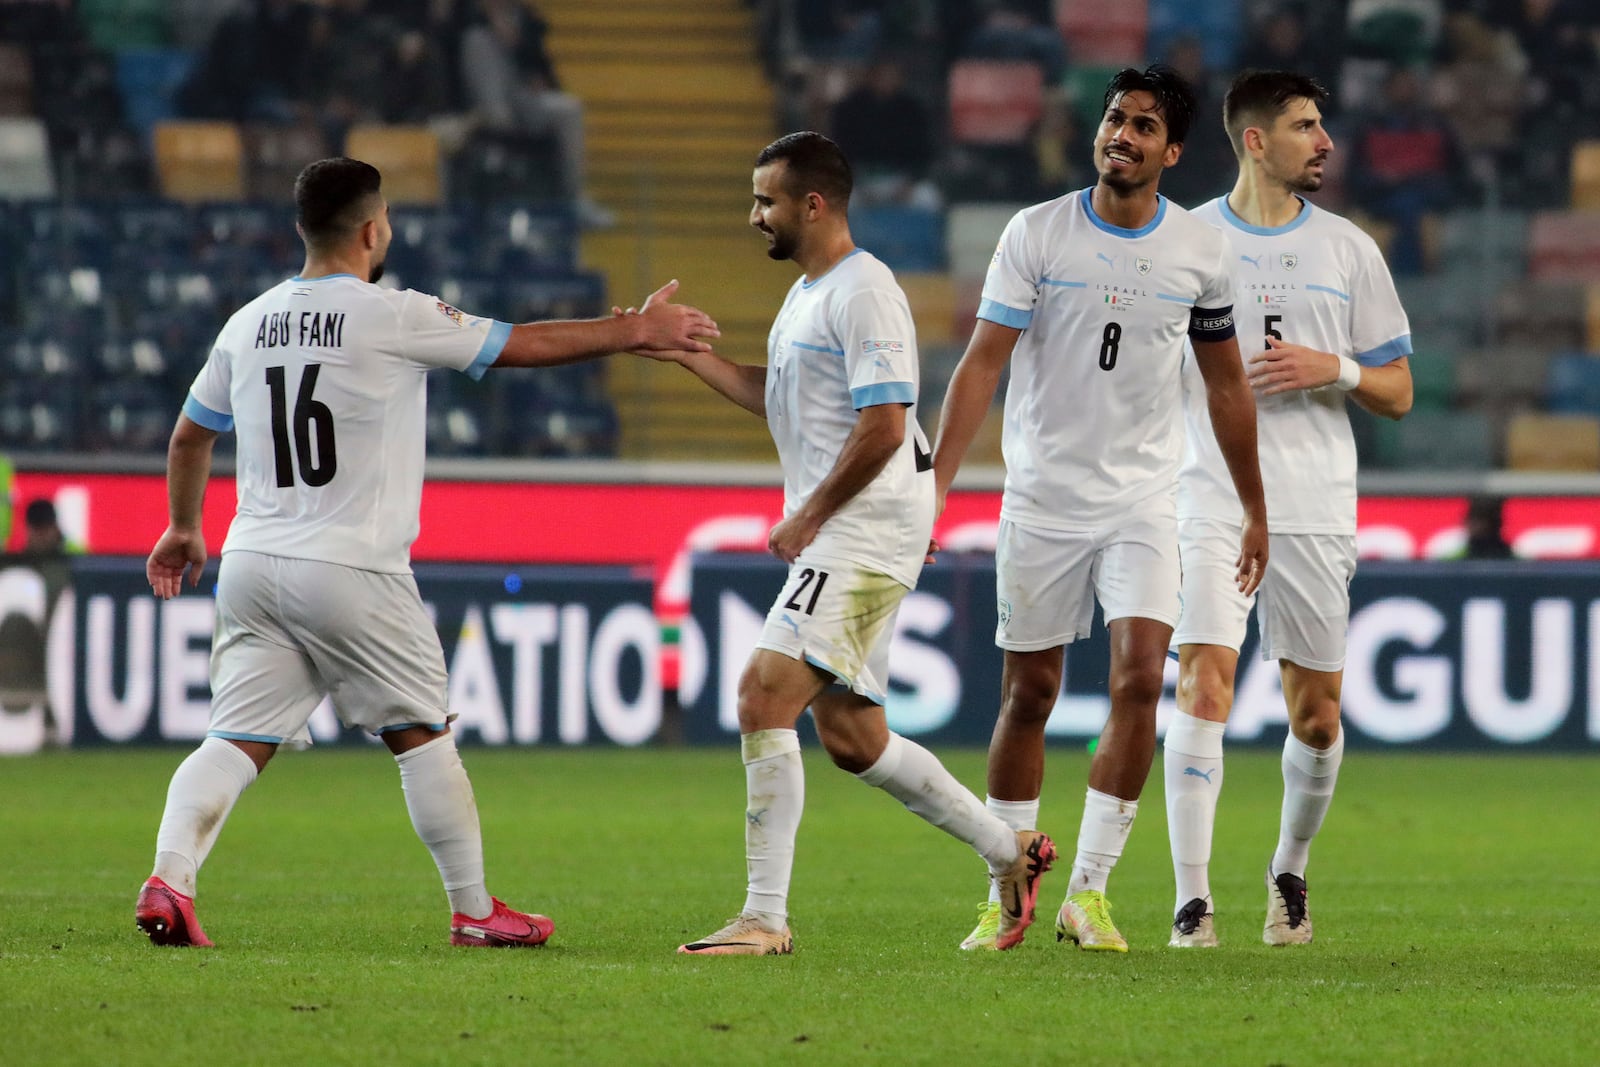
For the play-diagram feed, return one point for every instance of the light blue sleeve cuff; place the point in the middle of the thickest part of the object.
(1386, 353)
(203, 416)
(867, 396)
(1005, 316)
(499, 333)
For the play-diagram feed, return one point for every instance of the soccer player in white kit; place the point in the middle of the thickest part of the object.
(1323, 319)
(322, 378)
(839, 393)
(1090, 297)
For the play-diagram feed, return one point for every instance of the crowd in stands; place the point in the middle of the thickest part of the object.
(1464, 133)
(1468, 136)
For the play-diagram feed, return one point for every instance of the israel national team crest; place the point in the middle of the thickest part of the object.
(1288, 260)
(1143, 264)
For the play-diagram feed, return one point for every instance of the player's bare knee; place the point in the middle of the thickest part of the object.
(1205, 697)
(1029, 697)
(1136, 686)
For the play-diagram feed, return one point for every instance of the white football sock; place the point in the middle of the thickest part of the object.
(1309, 775)
(445, 816)
(1192, 761)
(1107, 821)
(202, 793)
(1017, 814)
(915, 777)
(775, 795)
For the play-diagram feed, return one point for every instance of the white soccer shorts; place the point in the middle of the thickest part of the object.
(838, 616)
(290, 631)
(1047, 581)
(1302, 607)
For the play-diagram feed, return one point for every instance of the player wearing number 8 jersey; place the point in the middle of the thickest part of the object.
(322, 379)
(1322, 321)
(1090, 298)
(839, 393)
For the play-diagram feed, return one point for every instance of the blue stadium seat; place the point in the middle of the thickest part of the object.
(906, 238)
(148, 80)
(1572, 384)
(1436, 440)
(524, 240)
(38, 415)
(1219, 25)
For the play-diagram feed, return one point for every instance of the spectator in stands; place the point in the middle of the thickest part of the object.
(1405, 165)
(843, 30)
(511, 83)
(1208, 164)
(885, 132)
(1482, 85)
(1283, 40)
(1010, 31)
(42, 534)
(1485, 530)
(345, 63)
(248, 70)
(418, 86)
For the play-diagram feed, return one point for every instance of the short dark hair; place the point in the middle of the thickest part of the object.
(40, 512)
(330, 198)
(1174, 95)
(1257, 97)
(816, 164)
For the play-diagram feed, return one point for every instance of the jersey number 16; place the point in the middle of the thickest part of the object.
(317, 465)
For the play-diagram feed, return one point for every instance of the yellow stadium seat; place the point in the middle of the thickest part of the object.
(408, 156)
(933, 306)
(200, 160)
(1538, 442)
(1586, 176)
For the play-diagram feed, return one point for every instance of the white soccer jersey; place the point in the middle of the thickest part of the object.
(324, 381)
(843, 342)
(1320, 282)
(1093, 421)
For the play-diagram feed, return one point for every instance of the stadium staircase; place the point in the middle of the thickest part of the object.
(677, 106)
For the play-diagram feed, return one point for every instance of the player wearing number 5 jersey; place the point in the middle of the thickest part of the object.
(839, 392)
(1322, 322)
(322, 379)
(1090, 298)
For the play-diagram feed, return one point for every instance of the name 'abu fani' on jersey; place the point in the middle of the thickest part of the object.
(308, 329)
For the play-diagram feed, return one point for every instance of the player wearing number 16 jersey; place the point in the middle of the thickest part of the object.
(1321, 321)
(322, 380)
(1090, 298)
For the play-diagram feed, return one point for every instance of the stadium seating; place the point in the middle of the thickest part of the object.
(275, 154)
(16, 81)
(1102, 33)
(906, 238)
(25, 170)
(408, 156)
(994, 101)
(1217, 24)
(1435, 440)
(1586, 176)
(199, 161)
(148, 79)
(1539, 442)
(1572, 385)
(1565, 245)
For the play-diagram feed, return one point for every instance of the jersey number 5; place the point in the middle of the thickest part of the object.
(317, 465)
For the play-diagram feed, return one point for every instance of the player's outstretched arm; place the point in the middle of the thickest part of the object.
(658, 326)
(1384, 391)
(967, 400)
(879, 432)
(1233, 420)
(182, 547)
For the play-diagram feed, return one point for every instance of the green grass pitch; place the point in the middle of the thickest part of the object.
(1454, 897)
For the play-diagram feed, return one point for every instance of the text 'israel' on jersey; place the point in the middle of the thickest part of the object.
(843, 342)
(324, 382)
(1093, 415)
(1317, 281)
